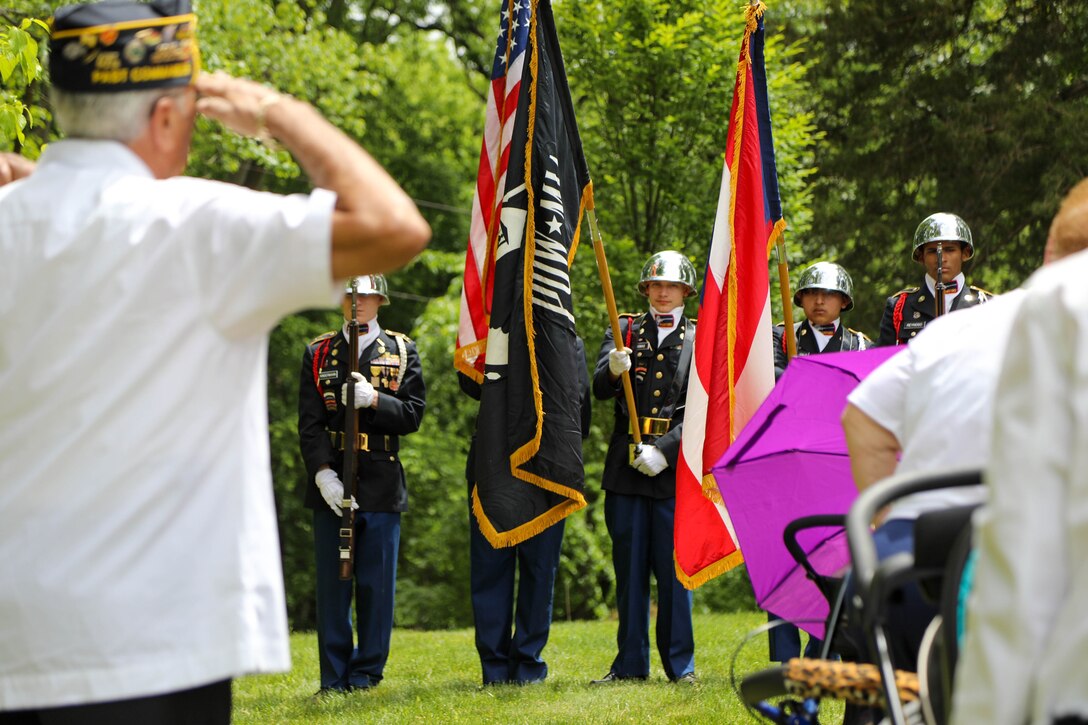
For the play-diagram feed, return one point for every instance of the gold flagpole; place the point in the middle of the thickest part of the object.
(613, 317)
(787, 299)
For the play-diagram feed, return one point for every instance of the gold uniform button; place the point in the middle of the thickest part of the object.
(658, 374)
(653, 410)
(657, 393)
(660, 356)
(914, 333)
(392, 458)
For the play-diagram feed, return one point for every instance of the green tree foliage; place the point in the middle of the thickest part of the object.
(21, 107)
(975, 107)
(654, 81)
(467, 25)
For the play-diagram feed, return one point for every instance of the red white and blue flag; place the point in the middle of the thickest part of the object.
(516, 336)
(733, 360)
(507, 72)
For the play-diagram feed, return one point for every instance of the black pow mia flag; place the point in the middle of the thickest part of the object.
(529, 447)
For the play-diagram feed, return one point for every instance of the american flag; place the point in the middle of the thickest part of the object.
(732, 368)
(516, 304)
(507, 71)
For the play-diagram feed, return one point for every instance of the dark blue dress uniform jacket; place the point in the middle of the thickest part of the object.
(652, 371)
(918, 309)
(380, 484)
(843, 340)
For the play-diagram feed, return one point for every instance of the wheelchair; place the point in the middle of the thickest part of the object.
(790, 693)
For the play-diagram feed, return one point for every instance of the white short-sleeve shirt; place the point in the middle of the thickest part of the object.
(936, 398)
(1023, 654)
(138, 543)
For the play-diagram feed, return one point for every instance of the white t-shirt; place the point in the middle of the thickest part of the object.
(936, 398)
(138, 543)
(1023, 654)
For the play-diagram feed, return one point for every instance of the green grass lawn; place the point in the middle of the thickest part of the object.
(435, 677)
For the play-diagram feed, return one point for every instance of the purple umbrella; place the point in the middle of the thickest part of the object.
(791, 461)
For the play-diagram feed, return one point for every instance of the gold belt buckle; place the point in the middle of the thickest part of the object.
(364, 442)
(654, 426)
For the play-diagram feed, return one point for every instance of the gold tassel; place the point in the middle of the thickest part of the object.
(710, 490)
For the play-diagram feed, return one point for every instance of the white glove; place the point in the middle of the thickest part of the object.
(650, 460)
(619, 361)
(364, 392)
(332, 490)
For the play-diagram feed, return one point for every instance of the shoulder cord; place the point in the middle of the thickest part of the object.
(402, 349)
(321, 354)
(897, 315)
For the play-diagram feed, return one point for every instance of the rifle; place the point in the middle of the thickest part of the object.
(939, 287)
(351, 447)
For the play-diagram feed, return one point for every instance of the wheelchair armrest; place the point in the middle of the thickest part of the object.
(763, 685)
(826, 583)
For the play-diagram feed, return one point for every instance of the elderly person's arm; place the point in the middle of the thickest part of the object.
(376, 226)
(873, 448)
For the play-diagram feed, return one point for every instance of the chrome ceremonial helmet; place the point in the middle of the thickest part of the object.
(943, 227)
(667, 266)
(370, 284)
(826, 276)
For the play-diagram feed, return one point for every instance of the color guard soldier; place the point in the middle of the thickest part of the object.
(390, 396)
(909, 310)
(512, 623)
(640, 485)
(824, 291)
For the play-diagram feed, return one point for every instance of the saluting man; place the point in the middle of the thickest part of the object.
(909, 310)
(824, 292)
(390, 395)
(640, 485)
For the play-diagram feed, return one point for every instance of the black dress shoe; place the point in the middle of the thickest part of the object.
(613, 677)
(688, 680)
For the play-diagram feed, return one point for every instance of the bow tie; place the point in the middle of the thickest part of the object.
(363, 328)
(828, 329)
(664, 321)
(951, 287)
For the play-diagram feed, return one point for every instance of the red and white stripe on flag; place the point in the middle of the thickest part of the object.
(502, 104)
(733, 361)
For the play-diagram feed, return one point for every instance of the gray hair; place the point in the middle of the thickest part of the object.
(105, 116)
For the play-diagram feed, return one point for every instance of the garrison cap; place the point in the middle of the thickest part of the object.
(112, 46)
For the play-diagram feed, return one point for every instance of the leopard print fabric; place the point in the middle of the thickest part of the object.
(848, 681)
